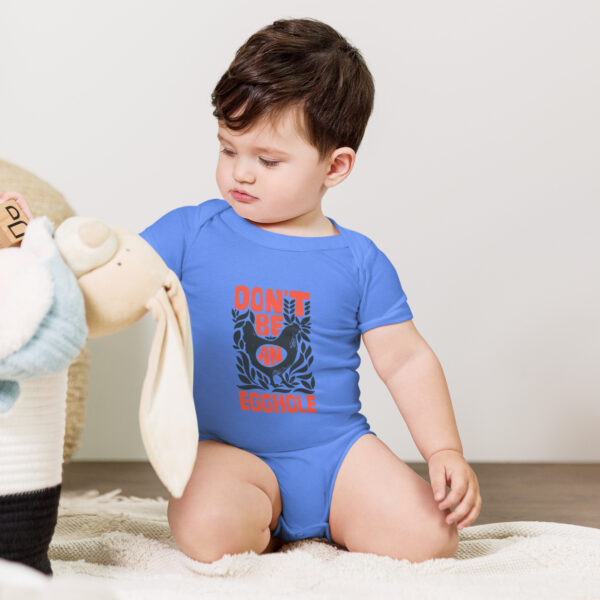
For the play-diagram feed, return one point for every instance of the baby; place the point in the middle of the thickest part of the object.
(279, 296)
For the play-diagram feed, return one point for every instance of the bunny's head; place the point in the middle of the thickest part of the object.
(117, 271)
(122, 277)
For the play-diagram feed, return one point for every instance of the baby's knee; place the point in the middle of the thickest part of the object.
(207, 533)
(450, 545)
(442, 538)
(436, 543)
(433, 542)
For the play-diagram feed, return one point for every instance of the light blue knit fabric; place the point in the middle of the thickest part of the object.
(61, 336)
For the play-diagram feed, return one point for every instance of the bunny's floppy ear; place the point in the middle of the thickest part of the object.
(167, 415)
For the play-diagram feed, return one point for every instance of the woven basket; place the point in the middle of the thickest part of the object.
(45, 200)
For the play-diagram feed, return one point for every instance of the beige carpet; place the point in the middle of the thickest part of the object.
(114, 547)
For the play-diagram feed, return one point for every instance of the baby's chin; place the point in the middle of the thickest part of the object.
(242, 209)
(254, 213)
(238, 205)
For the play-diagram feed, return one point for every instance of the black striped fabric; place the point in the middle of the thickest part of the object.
(27, 522)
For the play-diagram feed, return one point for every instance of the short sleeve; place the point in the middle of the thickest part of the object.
(168, 236)
(383, 300)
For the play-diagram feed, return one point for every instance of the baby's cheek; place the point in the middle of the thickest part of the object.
(221, 177)
(291, 188)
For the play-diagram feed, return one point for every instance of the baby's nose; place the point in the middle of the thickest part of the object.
(243, 172)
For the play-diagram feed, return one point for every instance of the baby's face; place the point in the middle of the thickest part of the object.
(275, 166)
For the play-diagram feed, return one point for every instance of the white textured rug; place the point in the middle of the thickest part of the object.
(109, 546)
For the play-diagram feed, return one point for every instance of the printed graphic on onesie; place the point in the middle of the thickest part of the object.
(271, 336)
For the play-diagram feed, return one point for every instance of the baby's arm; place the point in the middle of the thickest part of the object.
(413, 374)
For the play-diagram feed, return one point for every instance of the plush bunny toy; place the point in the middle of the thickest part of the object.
(42, 329)
(89, 279)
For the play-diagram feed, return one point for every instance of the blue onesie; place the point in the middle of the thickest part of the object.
(276, 325)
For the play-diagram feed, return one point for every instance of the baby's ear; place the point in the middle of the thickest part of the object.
(341, 163)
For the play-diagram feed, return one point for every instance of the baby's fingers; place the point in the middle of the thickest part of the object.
(437, 476)
(472, 514)
(465, 507)
(459, 488)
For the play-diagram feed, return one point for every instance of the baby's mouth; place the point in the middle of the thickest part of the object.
(242, 196)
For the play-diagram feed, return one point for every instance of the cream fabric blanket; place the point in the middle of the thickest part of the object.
(108, 547)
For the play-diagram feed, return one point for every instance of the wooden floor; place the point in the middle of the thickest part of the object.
(563, 493)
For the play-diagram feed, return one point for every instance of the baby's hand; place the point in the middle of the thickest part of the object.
(449, 466)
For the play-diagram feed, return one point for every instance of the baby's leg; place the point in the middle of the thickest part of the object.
(230, 505)
(381, 506)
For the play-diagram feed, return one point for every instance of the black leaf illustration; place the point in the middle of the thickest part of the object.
(297, 363)
(246, 362)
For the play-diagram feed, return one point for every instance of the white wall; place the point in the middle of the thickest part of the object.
(478, 176)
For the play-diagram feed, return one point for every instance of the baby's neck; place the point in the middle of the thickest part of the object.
(319, 228)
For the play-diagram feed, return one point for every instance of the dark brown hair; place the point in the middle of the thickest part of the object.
(300, 63)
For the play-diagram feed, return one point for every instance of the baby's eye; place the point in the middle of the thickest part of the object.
(227, 152)
(269, 163)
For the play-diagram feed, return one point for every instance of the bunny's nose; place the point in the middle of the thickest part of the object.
(94, 233)
(85, 244)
